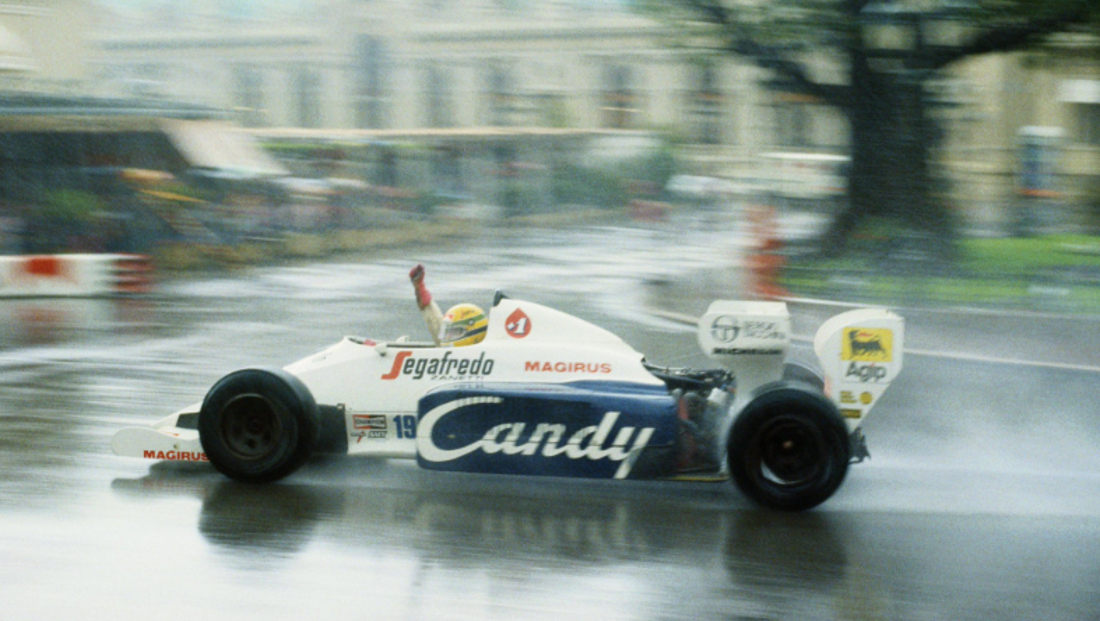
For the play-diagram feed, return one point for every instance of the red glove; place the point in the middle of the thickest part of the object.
(423, 298)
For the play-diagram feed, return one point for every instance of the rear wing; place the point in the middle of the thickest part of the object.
(751, 339)
(861, 353)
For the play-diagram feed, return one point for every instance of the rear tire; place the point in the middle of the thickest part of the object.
(806, 374)
(789, 448)
(258, 425)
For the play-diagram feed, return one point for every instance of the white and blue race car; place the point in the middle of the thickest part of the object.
(548, 394)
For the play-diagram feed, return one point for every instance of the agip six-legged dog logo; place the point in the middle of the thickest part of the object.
(867, 345)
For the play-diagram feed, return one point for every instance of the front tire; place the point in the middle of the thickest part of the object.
(258, 425)
(789, 448)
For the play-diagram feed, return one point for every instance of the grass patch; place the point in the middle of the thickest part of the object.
(980, 291)
(1028, 255)
(1038, 273)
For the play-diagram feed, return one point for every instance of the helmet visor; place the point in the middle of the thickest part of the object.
(449, 332)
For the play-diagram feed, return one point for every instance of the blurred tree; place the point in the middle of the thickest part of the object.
(817, 48)
(63, 221)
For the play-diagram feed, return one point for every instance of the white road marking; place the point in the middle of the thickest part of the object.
(1062, 366)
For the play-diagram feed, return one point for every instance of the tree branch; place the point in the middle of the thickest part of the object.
(1017, 37)
(742, 43)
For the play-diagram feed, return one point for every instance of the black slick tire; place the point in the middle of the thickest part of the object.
(797, 372)
(789, 447)
(258, 425)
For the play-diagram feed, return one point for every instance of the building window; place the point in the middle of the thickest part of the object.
(1088, 123)
(706, 105)
(620, 104)
(249, 95)
(372, 71)
(792, 120)
(439, 112)
(501, 95)
(307, 93)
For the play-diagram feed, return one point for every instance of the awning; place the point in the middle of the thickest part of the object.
(1080, 91)
(219, 146)
(15, 54)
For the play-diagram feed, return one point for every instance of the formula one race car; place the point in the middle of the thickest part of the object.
(546, 393)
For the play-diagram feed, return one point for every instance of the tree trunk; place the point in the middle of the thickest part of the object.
(893, 204)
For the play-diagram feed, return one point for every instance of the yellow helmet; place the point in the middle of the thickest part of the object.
(464, 324)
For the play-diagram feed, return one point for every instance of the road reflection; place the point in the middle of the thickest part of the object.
(767, 550)
(46, 321)
(474, 516)
(696, 552)
(558, 526)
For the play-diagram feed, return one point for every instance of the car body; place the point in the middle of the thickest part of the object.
(547, 393)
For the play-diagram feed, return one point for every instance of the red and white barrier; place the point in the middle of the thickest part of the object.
(74, 275)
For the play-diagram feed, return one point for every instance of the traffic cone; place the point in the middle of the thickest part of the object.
(765, 261)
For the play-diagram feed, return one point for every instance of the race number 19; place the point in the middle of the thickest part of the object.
(405, 427)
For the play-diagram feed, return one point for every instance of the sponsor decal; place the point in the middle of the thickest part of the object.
(865, 373)
(438, 367)
(857, 414)
(867, 345)
(380, 427)
(398, 362)
(725, 329)
(763, 330)
(518, 324)
(369, 421)
(175, 455)
(749, 351)
(848, 397)
(370, 435)
(545, 439)
(534, 366)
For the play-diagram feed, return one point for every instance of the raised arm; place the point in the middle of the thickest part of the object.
(429, 310)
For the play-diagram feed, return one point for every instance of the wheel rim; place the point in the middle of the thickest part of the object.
(251, 427)
(791, 452)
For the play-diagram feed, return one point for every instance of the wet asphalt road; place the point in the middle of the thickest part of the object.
(982, 500)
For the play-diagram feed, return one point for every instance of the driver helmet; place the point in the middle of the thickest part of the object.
(464, 324)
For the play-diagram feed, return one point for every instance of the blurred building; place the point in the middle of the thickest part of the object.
(407, 65)
(44, 45)
(54, 131)
(1024, 129)
(342, 64)
(69, 159)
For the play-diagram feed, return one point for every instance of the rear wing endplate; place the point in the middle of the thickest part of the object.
(860, 353)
